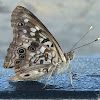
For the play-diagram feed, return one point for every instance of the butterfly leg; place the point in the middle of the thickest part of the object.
(80, 68)
(71, 77)
(74, 74)
(49, 77)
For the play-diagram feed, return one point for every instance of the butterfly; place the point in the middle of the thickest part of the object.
(34, 53)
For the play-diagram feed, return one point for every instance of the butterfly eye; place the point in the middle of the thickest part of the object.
(22, 56)
(17, 62)
(34, 44)
(20, 24)
(21, 50)
(32, 49)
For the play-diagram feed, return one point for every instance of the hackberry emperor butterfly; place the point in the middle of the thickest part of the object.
(34, 53)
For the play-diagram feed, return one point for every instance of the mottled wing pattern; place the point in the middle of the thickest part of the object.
(33, 26)
(33, 47)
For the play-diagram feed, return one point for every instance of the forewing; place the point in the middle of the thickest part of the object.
(24, 21)
(33, 51)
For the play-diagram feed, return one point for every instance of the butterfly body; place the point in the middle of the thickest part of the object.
(34, 52)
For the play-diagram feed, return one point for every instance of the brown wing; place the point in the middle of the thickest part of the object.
(33, 51)
(22, 20)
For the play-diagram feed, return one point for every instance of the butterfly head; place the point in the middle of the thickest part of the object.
(70, 55)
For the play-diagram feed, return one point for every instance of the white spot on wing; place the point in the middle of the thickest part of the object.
(37, 28)
(36, 72)
(53, 53)
(32, 34)
(41, 39)
(42, 49)
(34, 39)
(33, 29)
(23, 36)
(41, 73)
(25, 31)
(32, 54)
(47, 62)
(49, 55)
(26, 20)
(37, 56)
(48, 43)
(26, 41)
(38, 52)
(42, 35)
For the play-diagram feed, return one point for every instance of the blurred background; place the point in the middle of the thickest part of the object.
(67, 20)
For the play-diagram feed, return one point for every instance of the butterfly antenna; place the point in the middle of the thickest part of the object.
(86, 44)
(82, 37)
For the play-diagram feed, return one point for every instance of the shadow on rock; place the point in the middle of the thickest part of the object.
(30, 86)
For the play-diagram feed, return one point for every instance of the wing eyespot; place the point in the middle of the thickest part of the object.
(17, 62)
(20, 24)
(22, 56)
(32, 49)
(34, 44)
(21, 51)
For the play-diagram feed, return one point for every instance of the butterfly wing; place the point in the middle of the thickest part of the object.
(23, 16)
(33, 51)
